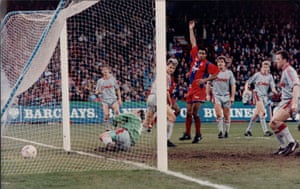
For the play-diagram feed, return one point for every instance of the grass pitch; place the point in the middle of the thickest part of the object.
(237, 162)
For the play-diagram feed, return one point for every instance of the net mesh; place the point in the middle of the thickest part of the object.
(115, 33)
(19, 36)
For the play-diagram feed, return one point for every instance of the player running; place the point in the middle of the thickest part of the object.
(223, 91)
(109, 90)
(289, 104)
(262, 82)
(201, 71)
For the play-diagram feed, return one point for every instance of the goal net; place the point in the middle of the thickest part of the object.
(50, 64)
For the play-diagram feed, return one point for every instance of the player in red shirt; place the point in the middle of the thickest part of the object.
(201, 71)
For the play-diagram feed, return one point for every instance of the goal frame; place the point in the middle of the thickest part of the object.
(160, 60)
(160, 51)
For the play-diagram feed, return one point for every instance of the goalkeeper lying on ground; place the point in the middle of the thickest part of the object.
(126, 132)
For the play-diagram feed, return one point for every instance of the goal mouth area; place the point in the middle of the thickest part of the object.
(53, 76)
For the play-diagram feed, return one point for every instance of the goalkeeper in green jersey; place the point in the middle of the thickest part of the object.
(127, 130)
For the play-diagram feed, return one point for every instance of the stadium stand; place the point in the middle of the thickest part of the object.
(254, 35)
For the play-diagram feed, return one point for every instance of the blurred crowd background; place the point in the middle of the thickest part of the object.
(248, 32)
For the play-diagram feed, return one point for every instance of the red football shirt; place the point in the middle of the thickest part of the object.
(200, 70)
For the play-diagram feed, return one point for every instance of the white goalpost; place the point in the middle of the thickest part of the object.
(65, 87)
(162, 151)
(52, 60)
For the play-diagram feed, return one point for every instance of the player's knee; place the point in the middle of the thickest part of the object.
(254, 117)
(189, 114)
(196, 116)
(171, 117)
(105, 138)
(176, 111)
(219, 116)
(226, 116)
(106, 116)
(262, 115)
(273, 124)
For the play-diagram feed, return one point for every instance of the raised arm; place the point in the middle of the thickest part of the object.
(192, 34)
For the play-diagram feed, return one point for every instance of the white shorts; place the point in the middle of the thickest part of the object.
(263, 99)
(287, 105)
(224, 101)
(109, 102)
(123, 141)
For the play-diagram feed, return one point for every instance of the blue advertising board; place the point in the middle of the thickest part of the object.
(239, 112)
(91, 112)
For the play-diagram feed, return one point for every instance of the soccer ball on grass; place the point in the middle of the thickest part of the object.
(29, 151)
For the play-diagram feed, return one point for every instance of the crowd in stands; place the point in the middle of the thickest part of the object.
(103, 35)
(245, 31)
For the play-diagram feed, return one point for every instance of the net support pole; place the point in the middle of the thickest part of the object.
(65, 107)
(160, 20)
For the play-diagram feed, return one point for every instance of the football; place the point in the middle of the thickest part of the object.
(29, 151)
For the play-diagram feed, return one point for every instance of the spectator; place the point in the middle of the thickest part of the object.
(128, 47)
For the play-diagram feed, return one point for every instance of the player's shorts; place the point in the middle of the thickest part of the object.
(263, 99)
(195, 95)
(224, 101)
(109, 102)
(123, 141)
(151, 103)
(287, 105)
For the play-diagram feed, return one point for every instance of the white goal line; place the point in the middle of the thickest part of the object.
(139, 165)
(32, 142)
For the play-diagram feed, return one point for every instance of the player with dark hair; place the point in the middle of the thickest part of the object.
(201, 71)
(223, 92)
(289, 104)
(262, 81)
(109, 90)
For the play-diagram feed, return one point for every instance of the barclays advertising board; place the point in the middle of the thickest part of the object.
(80, 112)
(90, 112)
